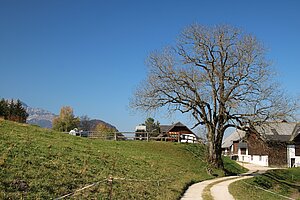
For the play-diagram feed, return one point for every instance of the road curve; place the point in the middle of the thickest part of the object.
(195, 191)
(220, 191)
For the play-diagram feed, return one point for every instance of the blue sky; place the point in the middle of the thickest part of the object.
(91, 55)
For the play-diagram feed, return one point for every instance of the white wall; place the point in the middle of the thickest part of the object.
(254, 159)
(297, 161)
(188, 138)
(259, 160)
(291, 153)
(244, 158)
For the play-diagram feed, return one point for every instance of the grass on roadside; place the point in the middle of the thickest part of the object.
(284, 182)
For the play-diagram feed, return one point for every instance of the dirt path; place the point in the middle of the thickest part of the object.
(219, 191)
(195, 191)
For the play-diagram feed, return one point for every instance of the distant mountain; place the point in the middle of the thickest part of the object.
(94, 122)
(39, 116)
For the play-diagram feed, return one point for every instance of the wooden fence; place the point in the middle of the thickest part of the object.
(144, 136)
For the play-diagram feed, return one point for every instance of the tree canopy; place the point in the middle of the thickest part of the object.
(104, 131)
(220, 76)
(66, 120)
(152, 127)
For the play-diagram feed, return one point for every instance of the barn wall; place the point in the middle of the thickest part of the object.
(276, 151)
(256, 146)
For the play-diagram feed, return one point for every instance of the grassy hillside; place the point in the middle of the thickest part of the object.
(232, 168)
(285, 182)
(37, 163)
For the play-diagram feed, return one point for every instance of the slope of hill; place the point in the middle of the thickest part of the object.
(37, 163)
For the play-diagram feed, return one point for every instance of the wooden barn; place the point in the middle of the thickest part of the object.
(274, 143)
(178, 132)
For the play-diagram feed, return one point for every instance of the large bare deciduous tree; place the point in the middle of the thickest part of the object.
(219, 75)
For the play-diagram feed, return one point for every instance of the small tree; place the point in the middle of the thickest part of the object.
(152, 128)
(85, 123)
(66, 120)
(104, 131)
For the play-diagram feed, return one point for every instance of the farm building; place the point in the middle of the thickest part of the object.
(274, 143)
(140, 132)
(178, 132)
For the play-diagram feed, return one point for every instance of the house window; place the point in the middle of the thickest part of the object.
(243, 151)
(260, 158)
(297, 150)
(235, 147)
(251, 157)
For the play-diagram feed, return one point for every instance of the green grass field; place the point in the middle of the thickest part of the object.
(284, 182)
(37, 163)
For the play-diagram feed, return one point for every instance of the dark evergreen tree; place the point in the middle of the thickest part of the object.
(3, 108)
(20, 112)
(13, 111)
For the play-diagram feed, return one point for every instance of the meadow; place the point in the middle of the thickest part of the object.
(38, 163)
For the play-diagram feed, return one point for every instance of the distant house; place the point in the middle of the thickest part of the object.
(274, 143)
(177, 132)
(140, 132)
(230, 145)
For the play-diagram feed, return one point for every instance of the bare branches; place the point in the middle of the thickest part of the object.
(212, 72)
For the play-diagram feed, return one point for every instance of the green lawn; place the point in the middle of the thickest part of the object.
(284, 182)
(37, 163)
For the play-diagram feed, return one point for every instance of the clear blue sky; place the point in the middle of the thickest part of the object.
(91, 55)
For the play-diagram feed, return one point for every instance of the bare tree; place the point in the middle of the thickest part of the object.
(220, 76)
(85, 123)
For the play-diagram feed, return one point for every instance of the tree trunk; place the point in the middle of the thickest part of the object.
(215, 151)
(215, 156)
